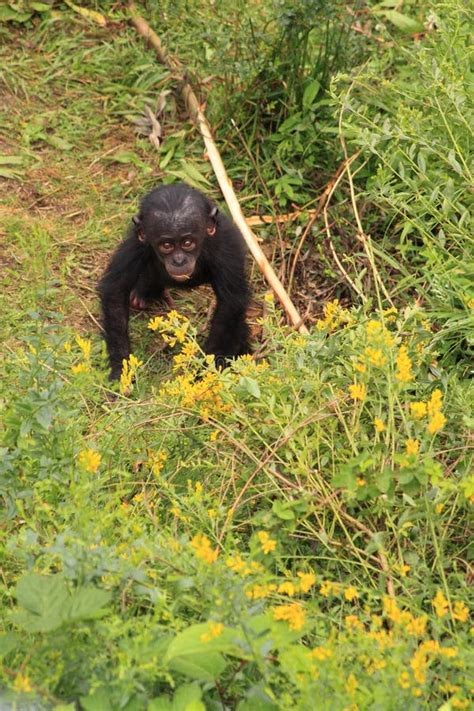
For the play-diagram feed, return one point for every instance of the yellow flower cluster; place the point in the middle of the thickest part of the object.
(293, 613)
(156, 461)
(334, 316)
(173, 328)
(329, 588)
(189, 391)
(203, 550)
(377, 334)
(353, 623)
(187, 354)
(267, 544)
(351, 593)
(129, 370)
(412, 446)
(432, 409)
(404, 371)
(320, 653)
(258, 592)
(85, 346)
(357, 391)
(415, 626)
(419, 661)
(238, 565)
(379, 424)
(89, 460)
(215, 630)
(307, 580)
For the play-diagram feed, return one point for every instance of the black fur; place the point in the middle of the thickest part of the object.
(139, 265)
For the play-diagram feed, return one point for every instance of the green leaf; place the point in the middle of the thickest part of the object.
(310, 93)
(43, 598)
(401, 22)
(199, 666)
(11, 160)
(283, 511)
(250, 386)
(162, 703)
(8, 14)
(188, 698)
(97, 701)
(86, 603)
(8, 642)
(191, 641)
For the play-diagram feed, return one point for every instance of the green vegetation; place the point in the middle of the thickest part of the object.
(292, 533)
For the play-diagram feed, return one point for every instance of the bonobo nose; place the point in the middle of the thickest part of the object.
(179, 259)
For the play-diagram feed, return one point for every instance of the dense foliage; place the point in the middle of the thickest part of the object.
(293, 532)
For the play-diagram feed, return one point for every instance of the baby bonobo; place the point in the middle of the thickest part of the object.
(178, 239)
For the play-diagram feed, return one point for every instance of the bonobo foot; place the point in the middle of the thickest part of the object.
(140, 303)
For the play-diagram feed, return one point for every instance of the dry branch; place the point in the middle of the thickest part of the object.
(199, 118)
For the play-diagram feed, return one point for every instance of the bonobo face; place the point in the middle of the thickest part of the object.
(175, 221)
(178, 253)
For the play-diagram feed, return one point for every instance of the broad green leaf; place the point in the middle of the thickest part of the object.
(203, 667)
(188, 698)
(402, 22)
(98, 701)
(8, 642)
(250, 386)
(85, 603)
(191, 641)
(8, 14)
(43, 598)
(162, 703)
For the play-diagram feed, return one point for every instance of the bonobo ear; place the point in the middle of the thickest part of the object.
(211, 230)
(137, 222)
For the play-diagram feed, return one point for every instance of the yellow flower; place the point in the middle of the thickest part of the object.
(329, 588)
(287, 588)
(292, 613)
(85, 346)
(403, 569)
(417, 626)
(258, 592)
(320, 653)
(357, 391)
(351, 684)
(460, 611)
(129, 369)
(269, 297)
(268, 544)
(203, 550)
(440, 604)
(360, 481)
(156, 461)
(375, 356)
(213, 436)
(307, 580)
(67, 346)
(436, 423)
(155, 323)
(89, 460)
(412, 446)
(22, 684)
(435, 402)
(351, 593)
(404, 680)
(418, 410)
(403, 373)
(80, 368)
(353, 623)
(379, 425)
(215, 629)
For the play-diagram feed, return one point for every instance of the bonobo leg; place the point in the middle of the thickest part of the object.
(229, 333)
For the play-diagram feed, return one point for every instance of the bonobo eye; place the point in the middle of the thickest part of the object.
(188, 244)
(166, 247)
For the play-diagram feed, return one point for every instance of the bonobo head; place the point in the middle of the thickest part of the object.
(175, 220)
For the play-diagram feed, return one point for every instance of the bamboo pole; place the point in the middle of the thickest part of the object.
(224, 181)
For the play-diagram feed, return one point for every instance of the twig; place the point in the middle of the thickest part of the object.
(329, 189)
(198, 116)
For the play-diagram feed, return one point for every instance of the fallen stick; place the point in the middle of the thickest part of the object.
(223, 179)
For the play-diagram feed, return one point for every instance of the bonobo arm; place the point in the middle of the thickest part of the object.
(229, 332)
(115, 286)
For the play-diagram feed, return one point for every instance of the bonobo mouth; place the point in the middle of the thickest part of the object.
(180, 277)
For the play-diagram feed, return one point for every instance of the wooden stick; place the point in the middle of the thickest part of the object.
(225, 184)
